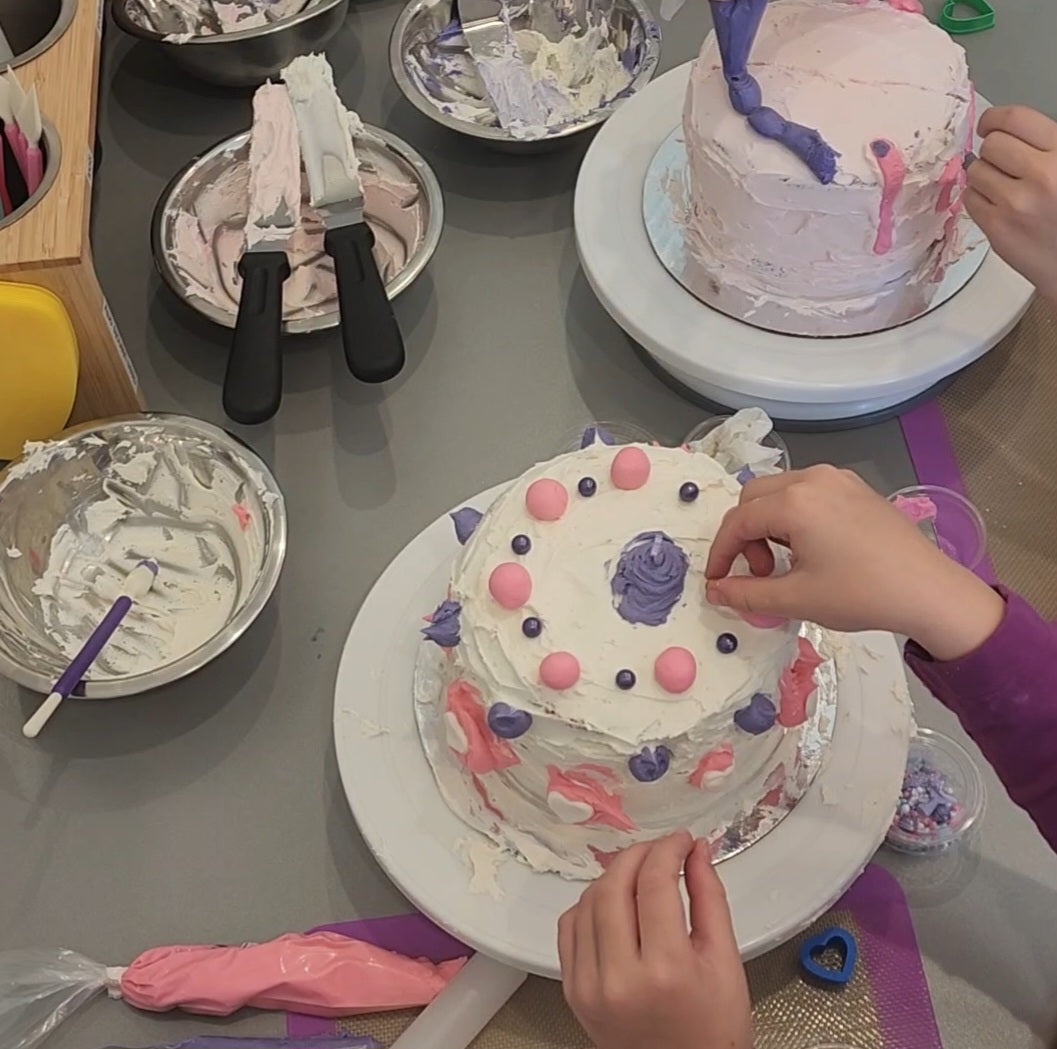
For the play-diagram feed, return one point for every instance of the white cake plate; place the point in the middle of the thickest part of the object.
(734, 364)
(776, 888)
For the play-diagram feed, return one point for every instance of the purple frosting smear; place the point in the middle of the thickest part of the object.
(466, 521)
(650, 764)
(443, 628)
(648, 582)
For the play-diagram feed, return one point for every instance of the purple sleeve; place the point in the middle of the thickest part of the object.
(1005, 695)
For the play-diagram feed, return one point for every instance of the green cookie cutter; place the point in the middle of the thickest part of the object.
(955, 23)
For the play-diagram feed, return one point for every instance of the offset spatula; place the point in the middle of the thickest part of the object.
(374, 347)
(253, 385)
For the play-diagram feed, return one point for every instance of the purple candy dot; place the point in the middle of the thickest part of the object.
(727, 643)
(880, 148)
(521, 544)
(625, 679)
(508, 723)
(532, 627)
(650, 763)
(587, 487)
(688, 492)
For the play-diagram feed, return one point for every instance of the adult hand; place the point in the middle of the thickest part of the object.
(1011, 191)
(632, 973)
(857, 564)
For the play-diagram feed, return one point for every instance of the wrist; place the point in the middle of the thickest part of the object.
(957, 614)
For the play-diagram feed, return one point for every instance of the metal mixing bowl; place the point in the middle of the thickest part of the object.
(425, 19)
(51, 494)
(205, 170)
(250, 56)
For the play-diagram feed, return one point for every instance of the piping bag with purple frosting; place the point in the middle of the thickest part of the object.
(374, 347)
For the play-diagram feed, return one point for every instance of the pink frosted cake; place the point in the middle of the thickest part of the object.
(854, 233)
(588, 696)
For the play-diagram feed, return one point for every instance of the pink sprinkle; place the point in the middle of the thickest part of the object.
(893, 171)
(546, 499)
(510, 585)
(675, 669)
(630, 469)
(560, 670)
(243, 515)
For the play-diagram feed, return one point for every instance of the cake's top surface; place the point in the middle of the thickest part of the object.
(591, 566)
(856, 72)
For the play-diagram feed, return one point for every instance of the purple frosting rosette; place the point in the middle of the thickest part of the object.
(649, 578)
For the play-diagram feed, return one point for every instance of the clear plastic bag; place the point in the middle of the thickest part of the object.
(41, 988)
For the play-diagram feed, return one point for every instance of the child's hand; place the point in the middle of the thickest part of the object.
(857, 564)
(1011, 191)
(632, 973)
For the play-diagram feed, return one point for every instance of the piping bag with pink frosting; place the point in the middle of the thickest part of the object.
(318, 974)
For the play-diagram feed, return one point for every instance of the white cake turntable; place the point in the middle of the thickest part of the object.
(804, 383)
(500, 907)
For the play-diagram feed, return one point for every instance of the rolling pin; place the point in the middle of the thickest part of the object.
(463, 1009)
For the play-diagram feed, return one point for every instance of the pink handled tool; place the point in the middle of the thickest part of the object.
(30, 127)
(14, 99)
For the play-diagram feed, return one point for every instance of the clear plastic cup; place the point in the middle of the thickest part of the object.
(617, 433)
(950, 801)
(772, 440)
(948, 519)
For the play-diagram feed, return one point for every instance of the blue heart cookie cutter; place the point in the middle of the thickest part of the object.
(816, 945)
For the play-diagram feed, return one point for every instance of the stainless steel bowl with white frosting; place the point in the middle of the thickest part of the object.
(197, 231)
(240, 43)
(79, 512)
(592, 53)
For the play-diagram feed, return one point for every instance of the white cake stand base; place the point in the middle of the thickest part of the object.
(776, 888)
(731, 363)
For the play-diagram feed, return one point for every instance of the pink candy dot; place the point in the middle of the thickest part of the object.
(546, 499)
(763, 622)
(675, 669)
(630, 469)
(560, 670)
(510, 584)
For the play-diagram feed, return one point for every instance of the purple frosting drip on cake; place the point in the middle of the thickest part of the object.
(650, 764)
(592, 434)
(465, 520)
(443, 628)
(648, 582)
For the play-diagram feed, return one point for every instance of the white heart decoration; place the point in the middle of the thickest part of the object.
(567, 810)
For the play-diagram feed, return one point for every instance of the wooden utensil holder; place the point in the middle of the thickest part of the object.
(49, 245)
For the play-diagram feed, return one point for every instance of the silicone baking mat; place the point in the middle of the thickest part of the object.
(991, 435)
(886, 1005)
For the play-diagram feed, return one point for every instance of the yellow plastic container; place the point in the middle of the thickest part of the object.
(38, 366)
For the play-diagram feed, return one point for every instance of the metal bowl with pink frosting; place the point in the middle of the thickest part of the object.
(197, 231)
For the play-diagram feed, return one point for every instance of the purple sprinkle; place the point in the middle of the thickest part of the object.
(650, 763)
(727, 643)
(688, 491)
(521, 544)
(587, 487)
(625, 679)
(880, 148)
(532, 627)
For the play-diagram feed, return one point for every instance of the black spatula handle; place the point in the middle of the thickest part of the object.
(253, 385)
(374, 347)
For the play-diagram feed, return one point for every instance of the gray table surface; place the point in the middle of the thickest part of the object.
(211, 811)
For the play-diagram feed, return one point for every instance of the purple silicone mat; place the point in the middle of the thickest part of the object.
(901, 1014)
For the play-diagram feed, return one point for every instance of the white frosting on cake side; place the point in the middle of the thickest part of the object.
(770, 242)
(567, 757)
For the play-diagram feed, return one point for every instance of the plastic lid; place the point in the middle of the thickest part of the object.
(942, 796)
(607, 432)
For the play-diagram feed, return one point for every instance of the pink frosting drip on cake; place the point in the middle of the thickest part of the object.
(485, 751)
(796, 684)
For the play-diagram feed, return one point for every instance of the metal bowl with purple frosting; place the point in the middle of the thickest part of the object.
(564, 67)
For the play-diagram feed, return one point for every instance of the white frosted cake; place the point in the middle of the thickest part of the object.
(588, 696)
(854, 249)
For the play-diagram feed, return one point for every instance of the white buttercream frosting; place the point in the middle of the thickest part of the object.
(767, 240)
(594, 728)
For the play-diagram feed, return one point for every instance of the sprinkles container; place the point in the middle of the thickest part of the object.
(943, 796)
